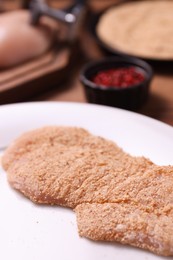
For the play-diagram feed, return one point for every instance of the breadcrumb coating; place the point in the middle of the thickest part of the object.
(68, 166)
(127, 224)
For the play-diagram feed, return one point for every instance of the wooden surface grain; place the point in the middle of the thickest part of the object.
(160, 103)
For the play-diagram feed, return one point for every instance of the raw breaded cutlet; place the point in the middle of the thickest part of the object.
(68, 166)
(128, 224)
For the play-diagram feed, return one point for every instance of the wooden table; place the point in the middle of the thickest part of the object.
(160, 103)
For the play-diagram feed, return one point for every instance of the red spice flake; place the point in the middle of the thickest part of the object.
(119, 77)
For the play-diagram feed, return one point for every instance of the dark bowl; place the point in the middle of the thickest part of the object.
(131, 97)
(92, 23)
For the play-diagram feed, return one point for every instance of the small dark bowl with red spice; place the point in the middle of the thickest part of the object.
(117, 81)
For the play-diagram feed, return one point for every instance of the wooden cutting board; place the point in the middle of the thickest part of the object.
(34, 77)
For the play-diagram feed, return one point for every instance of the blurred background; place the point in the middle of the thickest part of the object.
(54, 75)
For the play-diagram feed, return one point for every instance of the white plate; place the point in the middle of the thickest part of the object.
(32, 232)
